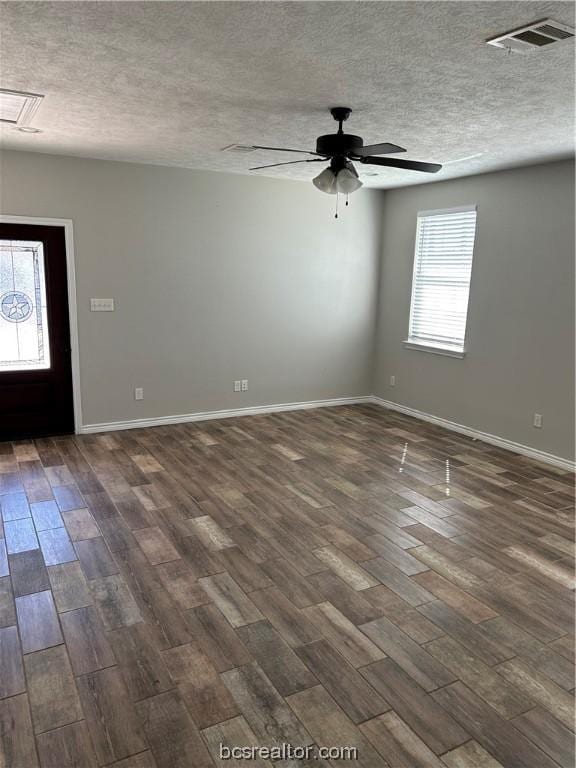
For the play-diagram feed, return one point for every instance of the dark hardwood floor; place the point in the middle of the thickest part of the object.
(344, 576)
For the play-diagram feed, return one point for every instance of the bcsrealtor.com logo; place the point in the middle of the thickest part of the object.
(288, 752)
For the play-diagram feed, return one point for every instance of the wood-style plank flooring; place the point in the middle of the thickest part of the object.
(344, 576)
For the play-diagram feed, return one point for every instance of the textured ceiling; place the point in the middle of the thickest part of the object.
(172, 83)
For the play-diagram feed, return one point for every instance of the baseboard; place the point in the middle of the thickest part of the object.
(255, 410)
(485, 437)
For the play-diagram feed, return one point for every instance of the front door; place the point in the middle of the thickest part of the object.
(35, 361)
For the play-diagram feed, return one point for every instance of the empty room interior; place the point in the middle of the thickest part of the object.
(287, 384)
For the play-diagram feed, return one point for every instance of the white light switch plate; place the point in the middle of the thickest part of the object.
(102, 305)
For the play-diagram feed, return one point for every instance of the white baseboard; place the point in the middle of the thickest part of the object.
(485, 437)
(501, 442)
(255, 410)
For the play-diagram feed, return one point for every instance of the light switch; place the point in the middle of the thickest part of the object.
(102, 305)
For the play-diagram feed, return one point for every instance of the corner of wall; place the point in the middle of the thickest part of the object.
(382, 194)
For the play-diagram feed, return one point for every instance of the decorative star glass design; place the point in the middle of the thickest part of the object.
(24, 343)
(16, 306)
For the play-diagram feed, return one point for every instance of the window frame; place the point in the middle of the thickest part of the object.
(436, 347)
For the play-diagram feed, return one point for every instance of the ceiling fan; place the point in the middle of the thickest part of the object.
(343, 148)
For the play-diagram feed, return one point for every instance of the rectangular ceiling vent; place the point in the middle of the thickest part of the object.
(533, 37)
(239, 148)
(17, 108)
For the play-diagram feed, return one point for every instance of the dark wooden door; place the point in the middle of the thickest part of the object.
(35, 357)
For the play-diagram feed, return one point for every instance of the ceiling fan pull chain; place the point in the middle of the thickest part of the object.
(336, 214)
(347, 200)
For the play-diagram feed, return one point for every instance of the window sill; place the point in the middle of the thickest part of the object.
(433, 348)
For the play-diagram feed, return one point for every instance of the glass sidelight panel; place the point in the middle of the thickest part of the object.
(24, 343)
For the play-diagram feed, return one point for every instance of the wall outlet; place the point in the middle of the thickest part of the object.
(538, 420)
(244, 385)
(392, 381)
(237, 386)
(139, 393)
(101, 305)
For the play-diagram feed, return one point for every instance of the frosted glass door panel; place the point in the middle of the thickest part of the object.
(24, 343)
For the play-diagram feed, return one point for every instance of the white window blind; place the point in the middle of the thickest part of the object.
(441, 279)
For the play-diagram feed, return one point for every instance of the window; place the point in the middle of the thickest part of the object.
(441, 280)
(23, 327)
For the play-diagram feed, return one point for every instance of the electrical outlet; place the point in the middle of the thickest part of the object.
(139, 393)
(244, 385)
(538, 420)
(237, 386)
(392, 381)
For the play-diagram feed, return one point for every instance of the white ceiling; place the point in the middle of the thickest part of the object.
(172, 83)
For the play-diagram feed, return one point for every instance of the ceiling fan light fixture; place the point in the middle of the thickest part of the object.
(326, 181)
(339, 178)
(347, 181)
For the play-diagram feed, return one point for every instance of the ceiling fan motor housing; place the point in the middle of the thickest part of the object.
(338, 144)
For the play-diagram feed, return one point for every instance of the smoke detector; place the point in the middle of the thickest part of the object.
(534, 36)
(17, 107)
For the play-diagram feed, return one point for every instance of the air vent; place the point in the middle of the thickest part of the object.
(534, 36)
(18, 108)
(240, 148)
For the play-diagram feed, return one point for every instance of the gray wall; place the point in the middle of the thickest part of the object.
(216, 277)
(221, 277)
(520, 338)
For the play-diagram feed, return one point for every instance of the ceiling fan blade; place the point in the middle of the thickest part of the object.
(283, 149)
(378, 149)
(290, 162)
(409, 165)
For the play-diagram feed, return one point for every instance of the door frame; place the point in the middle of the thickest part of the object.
(72, 306)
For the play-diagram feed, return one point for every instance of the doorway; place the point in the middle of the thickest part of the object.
(36, 390)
